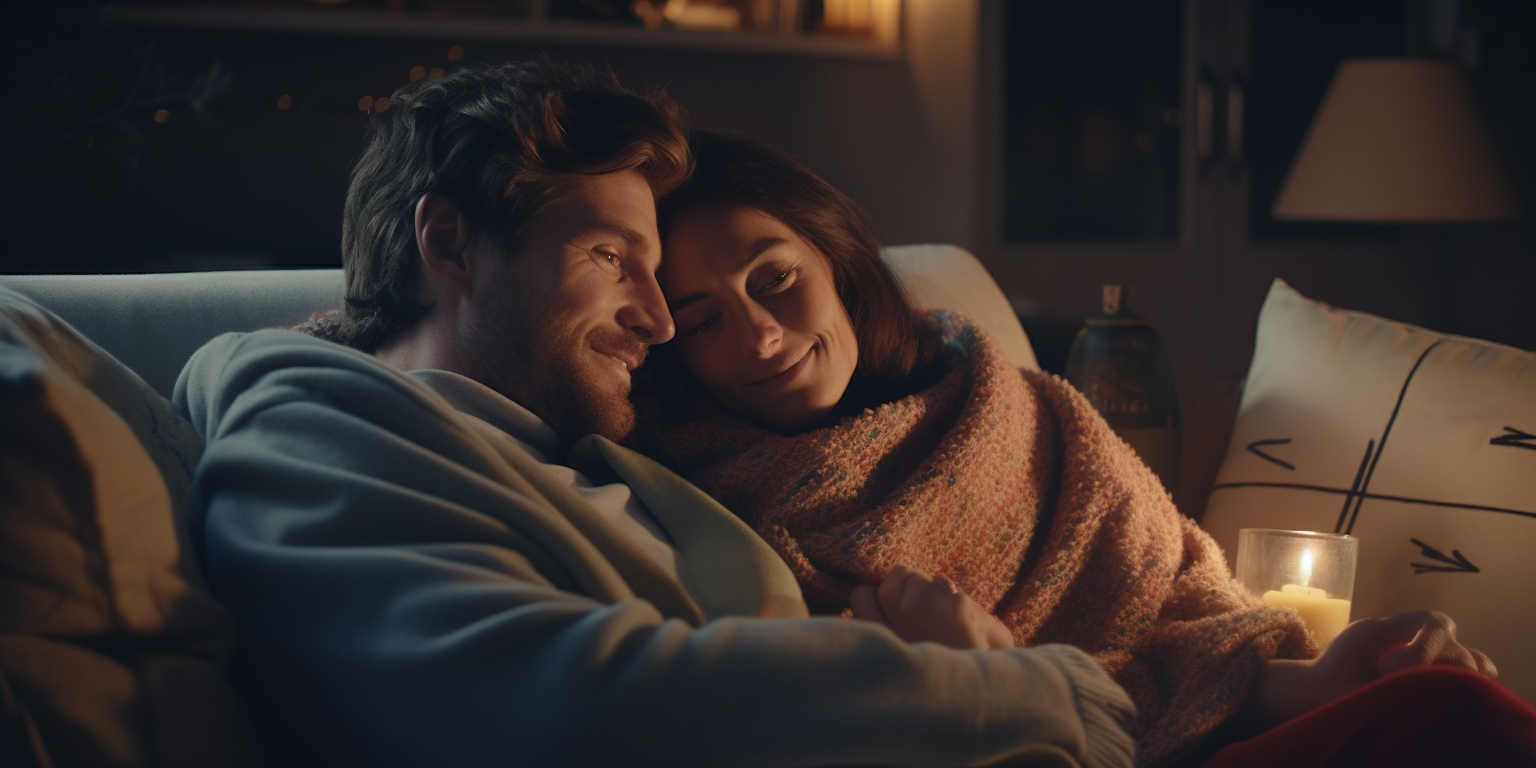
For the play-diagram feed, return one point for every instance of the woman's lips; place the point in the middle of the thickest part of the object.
(788, 374)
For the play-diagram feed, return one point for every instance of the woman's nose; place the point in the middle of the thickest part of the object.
(763, 331)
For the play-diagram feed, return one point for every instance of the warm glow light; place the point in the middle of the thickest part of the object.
(365, 103)
(455, 53)
(859, 14)
(1306, 566)
(417, 73)
(686, 15)
(381, 104)
(162, 115)
(284, 101)
(436, 73)
(847, 15)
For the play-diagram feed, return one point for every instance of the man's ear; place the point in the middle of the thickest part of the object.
(442, 238)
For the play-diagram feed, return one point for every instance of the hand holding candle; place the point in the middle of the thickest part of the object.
(1311, 573)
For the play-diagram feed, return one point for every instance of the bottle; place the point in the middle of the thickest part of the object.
(1118, 362)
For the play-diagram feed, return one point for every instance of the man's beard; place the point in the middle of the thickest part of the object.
(526, 355)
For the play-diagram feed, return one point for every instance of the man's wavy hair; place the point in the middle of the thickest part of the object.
(895, 345)
(497, 141)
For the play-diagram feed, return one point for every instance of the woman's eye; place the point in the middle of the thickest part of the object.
(778, 281)
(702, 327)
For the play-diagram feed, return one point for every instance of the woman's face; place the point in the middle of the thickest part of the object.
(759, 322)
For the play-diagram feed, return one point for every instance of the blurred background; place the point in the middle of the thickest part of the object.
(1068, 145)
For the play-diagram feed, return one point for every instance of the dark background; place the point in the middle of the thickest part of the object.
(935, 142)
(229, 180)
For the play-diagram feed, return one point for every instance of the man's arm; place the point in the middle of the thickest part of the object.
(404, 602)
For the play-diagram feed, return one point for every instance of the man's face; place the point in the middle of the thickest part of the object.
(559, 326)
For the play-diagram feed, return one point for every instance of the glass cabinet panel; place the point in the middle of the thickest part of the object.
(1092, 121)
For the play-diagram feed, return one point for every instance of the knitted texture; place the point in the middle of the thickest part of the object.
(1009, 483)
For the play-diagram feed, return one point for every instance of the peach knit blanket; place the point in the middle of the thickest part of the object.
(1011, 484)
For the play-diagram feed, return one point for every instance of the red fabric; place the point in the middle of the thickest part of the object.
(1431, 716)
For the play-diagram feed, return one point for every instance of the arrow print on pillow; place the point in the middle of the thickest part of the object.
(1254, 446)
(1515, 439)
(1457, 563)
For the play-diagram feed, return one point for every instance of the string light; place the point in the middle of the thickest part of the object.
(380, 104)
(284, 101)
(365, 103)
(436, 73)
(418, 72)
(162, 115)
(455, 53)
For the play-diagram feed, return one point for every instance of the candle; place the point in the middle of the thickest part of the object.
(1324, 616)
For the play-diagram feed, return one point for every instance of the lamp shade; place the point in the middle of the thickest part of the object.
(1398, 140)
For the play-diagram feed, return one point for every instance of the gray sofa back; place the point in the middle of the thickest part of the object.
(153, 323)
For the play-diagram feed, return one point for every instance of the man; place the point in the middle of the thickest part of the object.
(438, 568)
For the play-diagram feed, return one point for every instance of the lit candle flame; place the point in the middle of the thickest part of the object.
(1306, 566)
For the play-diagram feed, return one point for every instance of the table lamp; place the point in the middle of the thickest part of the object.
(1398, 140)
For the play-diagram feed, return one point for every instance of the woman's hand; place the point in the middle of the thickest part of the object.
(920, 608)
(1365, 651)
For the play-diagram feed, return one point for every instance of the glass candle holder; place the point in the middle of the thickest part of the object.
(1313, 573)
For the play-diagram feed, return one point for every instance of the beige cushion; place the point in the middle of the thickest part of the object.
(111, 654)
(939, 276)
(1416, 442)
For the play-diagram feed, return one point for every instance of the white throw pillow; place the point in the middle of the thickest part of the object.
(1421, 444)
(939, 276)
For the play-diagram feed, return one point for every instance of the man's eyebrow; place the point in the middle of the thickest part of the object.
(629, 235)
(746, 260)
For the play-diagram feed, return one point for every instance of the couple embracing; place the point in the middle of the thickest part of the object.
(818, 527)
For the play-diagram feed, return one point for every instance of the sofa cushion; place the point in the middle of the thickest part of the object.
(1420, 444)
(110, 653)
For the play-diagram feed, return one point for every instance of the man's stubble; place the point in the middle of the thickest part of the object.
(527, 354)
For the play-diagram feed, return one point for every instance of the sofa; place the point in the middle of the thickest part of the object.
(98, 469)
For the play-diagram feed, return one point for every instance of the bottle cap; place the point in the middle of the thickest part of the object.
(1116, 297)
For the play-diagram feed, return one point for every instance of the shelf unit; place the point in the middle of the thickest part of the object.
(886, 44)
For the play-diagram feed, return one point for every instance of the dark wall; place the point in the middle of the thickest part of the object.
(93, 183)
(1490, 269)
(234, 181)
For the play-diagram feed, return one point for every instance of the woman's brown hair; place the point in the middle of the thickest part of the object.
(733, 170)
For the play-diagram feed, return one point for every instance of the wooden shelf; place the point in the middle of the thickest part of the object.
(379, 24)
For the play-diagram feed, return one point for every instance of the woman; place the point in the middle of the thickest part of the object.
(872, 445)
